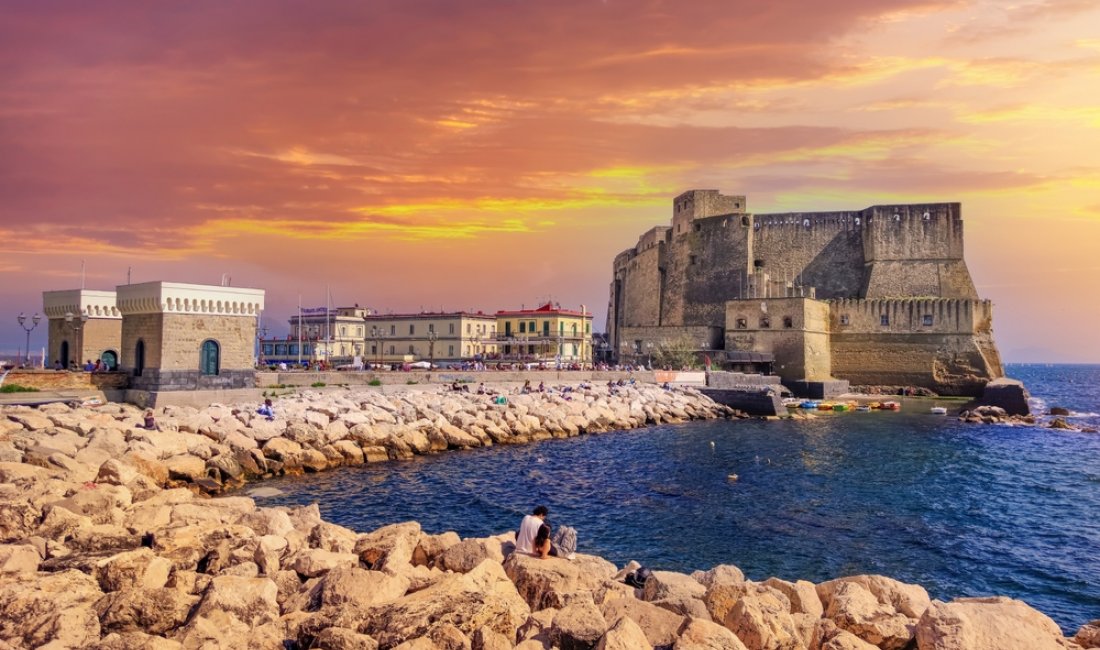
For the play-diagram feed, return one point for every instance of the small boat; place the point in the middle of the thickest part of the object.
(939, 410)
(825, 406)
(840, 407)
(808, 404)
(863, 408)
(792, 402)
(875, 405)
(891, 406)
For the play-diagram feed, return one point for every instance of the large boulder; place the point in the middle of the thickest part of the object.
(467, 554)
(624, 635)
(19, 558)
(430, 546)
(554, 582)
(986, 624)
(578, 626)
(252, 601)
(802, 594)
(910, 600)
(699, 634)
(139, 568)
(1089, 635)
(1008, 394)
(827, 636)
(855, 609)
(56, 608)
(389, 548)
(660, 626)
(359, 588)
(154, 611)
(313, 562)
(483, 597)
(761, 619)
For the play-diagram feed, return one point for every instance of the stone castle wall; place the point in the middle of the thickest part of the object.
(147, 328)
(185, 334)
(715, 252)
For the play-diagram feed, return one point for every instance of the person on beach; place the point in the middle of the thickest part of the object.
(529, 530)
(267, 410)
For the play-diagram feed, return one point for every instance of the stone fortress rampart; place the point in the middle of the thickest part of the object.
(903, 307)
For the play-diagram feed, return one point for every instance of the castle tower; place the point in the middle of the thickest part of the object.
(84, 324)
(188, 336)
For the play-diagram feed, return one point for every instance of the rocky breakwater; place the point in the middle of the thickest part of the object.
(99, 550)
(219, 447)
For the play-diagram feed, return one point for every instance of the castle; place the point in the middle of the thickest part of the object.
(880, 296)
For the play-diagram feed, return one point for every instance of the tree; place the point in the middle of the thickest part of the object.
(677, 354)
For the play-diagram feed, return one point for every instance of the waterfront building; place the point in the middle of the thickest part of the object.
(179, 336)
(430, 336)
(335, 336)
(547, 334)
(84, 324)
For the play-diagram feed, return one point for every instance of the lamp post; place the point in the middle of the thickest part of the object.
(34, 323)
(261, 334)
(431, 348)
(76, 325)
(649, 353)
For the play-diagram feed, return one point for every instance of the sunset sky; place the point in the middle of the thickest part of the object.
(489, 154)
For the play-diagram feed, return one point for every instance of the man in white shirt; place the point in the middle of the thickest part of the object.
(528, 529)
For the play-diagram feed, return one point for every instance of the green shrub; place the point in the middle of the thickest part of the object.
(16, 388)
(374, 382)
(411, 382)
(318, 384)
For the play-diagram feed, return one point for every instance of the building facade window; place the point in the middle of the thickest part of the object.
(393, 330)
(411, 350)
(884, 320)
(412, 329)
(431, 328)
(927, 320)
(450, 328)
(209, 358)
(742, 323)
(450, 350)
(393, 349)
(765, 322)
(844, 319)
(788, 322)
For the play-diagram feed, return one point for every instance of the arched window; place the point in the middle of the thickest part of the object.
(210, 358)
(110, 359)
(65, 355)
(139, 357)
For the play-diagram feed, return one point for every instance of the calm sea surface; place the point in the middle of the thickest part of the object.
(964, 510)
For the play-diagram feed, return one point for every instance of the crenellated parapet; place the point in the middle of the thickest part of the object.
(179, 298)
(889, 271)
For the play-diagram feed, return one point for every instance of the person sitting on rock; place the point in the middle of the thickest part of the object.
(267, 410)
(149, 421)
(542, 547)
(529, 529)
(527, 386)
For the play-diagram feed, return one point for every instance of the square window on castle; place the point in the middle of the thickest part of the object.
(691, 261)
(742, 323)
(698, 227)
(765, 323)
(884, 320)
(926, 320)
(844, 319)
(788, 322)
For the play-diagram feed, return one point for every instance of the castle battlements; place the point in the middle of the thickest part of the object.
(892, 268)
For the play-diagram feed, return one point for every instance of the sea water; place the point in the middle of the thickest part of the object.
(962, 509)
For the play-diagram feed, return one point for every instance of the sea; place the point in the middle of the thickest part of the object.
(962, 509)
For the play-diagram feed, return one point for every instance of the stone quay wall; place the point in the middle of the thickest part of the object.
(107, 542)
(66, 380)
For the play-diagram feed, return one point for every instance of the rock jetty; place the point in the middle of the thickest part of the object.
(108, 540)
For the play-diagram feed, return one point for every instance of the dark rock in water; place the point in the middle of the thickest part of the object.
(1059, 423)
(1058, 410)
(1008, 394)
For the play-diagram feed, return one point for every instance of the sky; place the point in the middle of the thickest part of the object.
(492, 154)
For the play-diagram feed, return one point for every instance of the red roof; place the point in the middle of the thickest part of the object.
(547, 310)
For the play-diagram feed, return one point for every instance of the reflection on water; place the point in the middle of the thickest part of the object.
(962, 510)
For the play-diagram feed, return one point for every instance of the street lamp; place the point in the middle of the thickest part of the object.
(649, 353)
(34, 323)
(431, 348)
(75, 325)
(261, 334)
